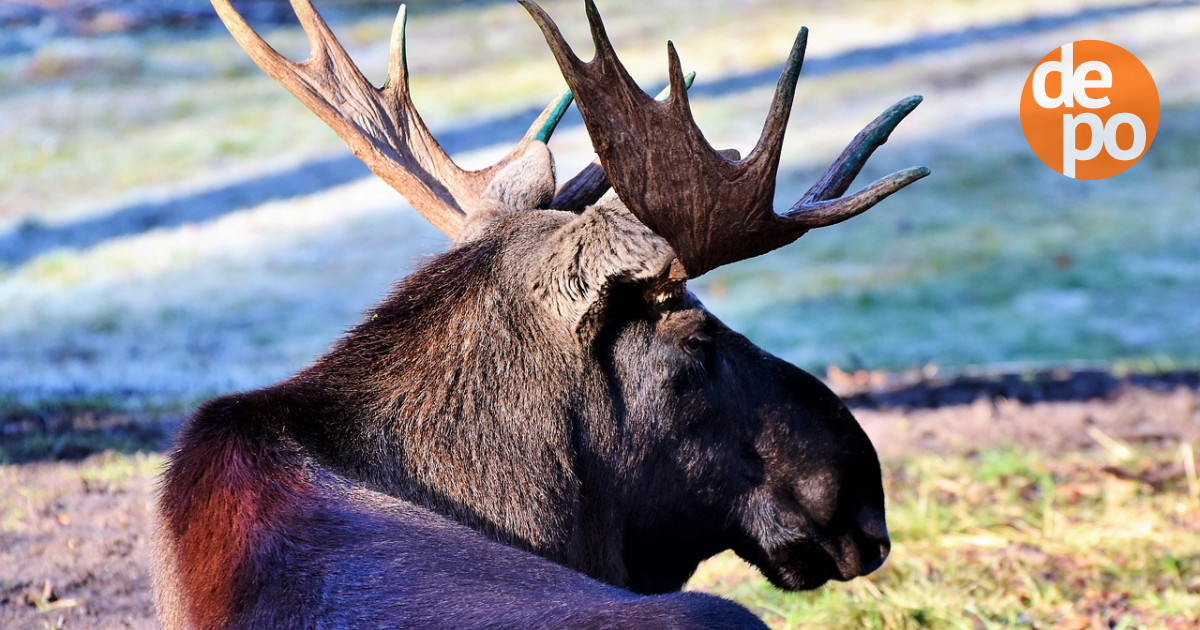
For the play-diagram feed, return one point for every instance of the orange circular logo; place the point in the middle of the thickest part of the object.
(1089, 109)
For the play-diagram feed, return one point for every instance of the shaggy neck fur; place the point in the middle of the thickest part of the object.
(468, 390)
(447, 403)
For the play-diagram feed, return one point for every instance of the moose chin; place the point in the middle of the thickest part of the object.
(541, 427)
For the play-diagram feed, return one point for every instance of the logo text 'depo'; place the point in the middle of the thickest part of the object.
(1089, 109)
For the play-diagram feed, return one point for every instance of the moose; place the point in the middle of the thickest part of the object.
(541, 427)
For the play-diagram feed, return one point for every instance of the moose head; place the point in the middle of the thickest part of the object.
(549, 381)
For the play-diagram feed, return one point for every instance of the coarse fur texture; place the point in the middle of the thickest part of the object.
(538, 428)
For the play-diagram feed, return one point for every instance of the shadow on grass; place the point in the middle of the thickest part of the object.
(71, 431)
(32, 239)
(29, 23)
(1036, 387)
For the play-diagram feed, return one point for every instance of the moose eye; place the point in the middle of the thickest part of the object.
(698, 345)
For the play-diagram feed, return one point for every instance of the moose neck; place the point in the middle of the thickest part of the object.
(453, 395)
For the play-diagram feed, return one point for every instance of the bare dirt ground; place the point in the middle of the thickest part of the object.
(76, 552)
(76, 503)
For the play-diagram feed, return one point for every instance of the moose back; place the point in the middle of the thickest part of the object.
(542, 426)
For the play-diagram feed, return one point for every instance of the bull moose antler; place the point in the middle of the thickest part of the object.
(693, 196)
(713, 210)
(381, 125)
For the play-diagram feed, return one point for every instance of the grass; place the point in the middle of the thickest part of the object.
(1008, 538)
(75, 428)
(977, 270)
(993, 259)
(117, 468)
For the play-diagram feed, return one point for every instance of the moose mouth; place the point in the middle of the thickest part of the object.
(807, 564)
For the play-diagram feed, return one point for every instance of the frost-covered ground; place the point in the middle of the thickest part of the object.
(173, 224)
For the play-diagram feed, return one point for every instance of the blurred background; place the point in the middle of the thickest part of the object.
(174, 225)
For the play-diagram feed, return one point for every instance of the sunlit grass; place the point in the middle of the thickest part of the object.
(1013, 538)
(117, 468)
(992, 259)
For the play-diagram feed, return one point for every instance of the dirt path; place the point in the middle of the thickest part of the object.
(74, 533)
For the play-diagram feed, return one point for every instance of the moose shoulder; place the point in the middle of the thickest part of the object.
(541, 426)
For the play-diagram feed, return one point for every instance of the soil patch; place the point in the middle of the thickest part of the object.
(74, 543)
(1051, 411)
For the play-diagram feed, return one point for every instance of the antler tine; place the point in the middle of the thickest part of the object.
(381, 126)
(828, 212)
(837, 178)
(259, 50)
(605, 59)
(710, 207)
(539, 130)
(599, 33)
(321, 41)
(770, 141)
(678, 83)
(397, 77)
(822, 206)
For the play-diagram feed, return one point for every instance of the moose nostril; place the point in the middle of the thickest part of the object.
(878, 560)
(871, 555)
(872, 562)
(879, 538)
(874, 544)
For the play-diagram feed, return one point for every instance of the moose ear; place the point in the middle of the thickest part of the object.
(602, 247)
(527, 183)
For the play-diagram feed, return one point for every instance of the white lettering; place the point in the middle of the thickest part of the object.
(1064, 70)
(1082, 83)
(1139, 136)
(1071, 152)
